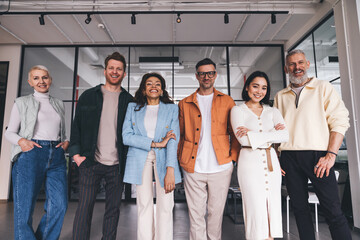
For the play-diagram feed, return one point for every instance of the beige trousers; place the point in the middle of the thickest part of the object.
(150, 227)
(206, 190)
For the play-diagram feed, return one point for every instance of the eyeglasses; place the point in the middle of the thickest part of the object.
(210, 74)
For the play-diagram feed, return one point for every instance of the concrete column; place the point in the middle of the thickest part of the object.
(348, 38)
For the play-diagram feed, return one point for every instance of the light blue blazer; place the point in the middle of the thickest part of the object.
(135, 136)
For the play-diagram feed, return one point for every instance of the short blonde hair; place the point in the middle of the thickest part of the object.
(38, 67)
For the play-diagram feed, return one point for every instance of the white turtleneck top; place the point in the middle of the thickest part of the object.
(47, 125)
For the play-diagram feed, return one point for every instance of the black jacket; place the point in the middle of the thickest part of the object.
(85, 128)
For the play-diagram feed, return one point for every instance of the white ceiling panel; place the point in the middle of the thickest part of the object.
(27, 27)
(252, 27)
(70, 27)
(295, 23)
(271, 30)
(6, 37)
(148, 28)
(206, 28)
(93, 32)
(65, 25)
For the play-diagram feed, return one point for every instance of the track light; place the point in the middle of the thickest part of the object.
(133, 19)
(226, 18)
(273, 18)
(41, 19)
(178, 19)
(88, 19)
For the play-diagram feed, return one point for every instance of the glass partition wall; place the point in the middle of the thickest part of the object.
(77, 68)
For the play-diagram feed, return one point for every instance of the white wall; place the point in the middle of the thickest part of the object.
(12, 54)
(358, 11)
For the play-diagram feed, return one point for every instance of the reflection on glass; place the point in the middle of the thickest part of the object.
(307, 47)
(150, 59)
(245, 60)
(327, 61)
(185, 80)
(59, 61)
(68, 108)
(91, 67)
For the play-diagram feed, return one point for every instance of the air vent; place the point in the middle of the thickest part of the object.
(330, 61)
(158, 59)
(333, 59)
(159, 63)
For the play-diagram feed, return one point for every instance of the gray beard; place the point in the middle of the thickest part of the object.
(299, 80)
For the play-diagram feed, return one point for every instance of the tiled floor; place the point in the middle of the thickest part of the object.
(127, 223)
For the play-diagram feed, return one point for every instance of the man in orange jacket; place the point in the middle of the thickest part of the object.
(206, 150)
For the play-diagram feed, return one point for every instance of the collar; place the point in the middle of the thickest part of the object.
(245, 107)
(192, 97)
(98, 88)
(160, 104)
(41, 95)
(310, 84)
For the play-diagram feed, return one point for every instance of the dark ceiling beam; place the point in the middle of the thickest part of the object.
(139, 12)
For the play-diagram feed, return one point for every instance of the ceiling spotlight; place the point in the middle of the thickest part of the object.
(41, 19)
(273, 18)
(88, 19)
(101, 26)
(178, 19)
(226, 18)
(133, 19)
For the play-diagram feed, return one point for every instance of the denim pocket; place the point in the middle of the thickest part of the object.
(61, 149)
(30, 150)
(28, 154)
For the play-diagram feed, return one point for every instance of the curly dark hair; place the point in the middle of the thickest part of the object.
(141, 99)
(245, 95)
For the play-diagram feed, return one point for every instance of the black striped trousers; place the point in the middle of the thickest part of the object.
(89, 184)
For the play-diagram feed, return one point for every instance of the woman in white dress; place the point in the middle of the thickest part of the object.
(257, 127)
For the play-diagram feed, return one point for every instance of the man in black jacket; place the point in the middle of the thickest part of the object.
(97, 148)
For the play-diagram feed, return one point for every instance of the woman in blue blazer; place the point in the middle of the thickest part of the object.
(151, 130)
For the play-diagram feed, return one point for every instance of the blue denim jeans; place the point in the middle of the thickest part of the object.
(38, 166)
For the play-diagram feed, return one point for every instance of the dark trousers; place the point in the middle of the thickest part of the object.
(89, 184)
(299, 166)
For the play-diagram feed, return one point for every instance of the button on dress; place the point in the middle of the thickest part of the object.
(260, 188)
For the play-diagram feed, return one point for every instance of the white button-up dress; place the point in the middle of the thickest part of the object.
(260, 188)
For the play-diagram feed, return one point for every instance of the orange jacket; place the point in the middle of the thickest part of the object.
(190, 127)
